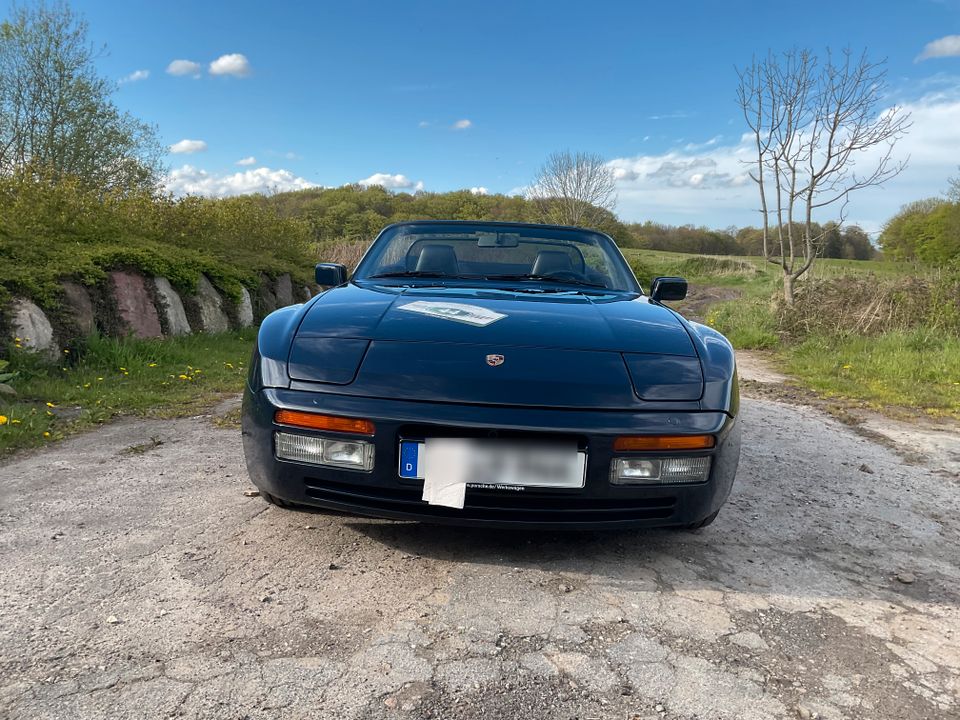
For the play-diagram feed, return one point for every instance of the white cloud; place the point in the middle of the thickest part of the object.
(184, 67)
(709, 185)
(423, 123)
(392, 182)
(186, 147)
(189, 180)
(462, 124)
(947, 46)
(479, 190)
(134, 77)
(233, 64)
(251, 160)
(675, 115)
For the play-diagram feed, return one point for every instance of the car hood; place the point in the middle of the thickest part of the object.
(617, 322)
(496, 347)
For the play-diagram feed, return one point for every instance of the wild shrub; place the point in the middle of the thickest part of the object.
(870, 306)
(64, 230)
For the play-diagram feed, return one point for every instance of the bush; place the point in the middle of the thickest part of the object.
(53, 231)
(871, 306)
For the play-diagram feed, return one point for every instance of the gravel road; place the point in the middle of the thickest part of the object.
(143, 583)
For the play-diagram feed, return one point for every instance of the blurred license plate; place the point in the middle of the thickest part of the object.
(488, 463)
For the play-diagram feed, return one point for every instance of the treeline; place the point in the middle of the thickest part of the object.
(926, 230)
(354, 213)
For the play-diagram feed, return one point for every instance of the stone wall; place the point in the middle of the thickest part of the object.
(129, 303)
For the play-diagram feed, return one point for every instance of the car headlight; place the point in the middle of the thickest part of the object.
(659, 471)
(333, 452)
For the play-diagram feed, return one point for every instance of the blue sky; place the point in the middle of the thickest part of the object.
(329, 93)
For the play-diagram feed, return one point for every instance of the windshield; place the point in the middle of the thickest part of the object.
(542, 256)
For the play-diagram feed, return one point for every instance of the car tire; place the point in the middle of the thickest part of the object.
(703, 523)
(279, 502)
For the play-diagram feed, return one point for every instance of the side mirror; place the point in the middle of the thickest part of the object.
(668, 288)
(331, 274)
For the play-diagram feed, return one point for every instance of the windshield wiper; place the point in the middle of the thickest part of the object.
(410, 273)
(546, 278)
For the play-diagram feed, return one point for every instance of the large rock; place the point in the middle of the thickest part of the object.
(212, 317)
(33, 329)
(245, 309)
(137, 312)
(172, 307)
(265, 301)
(284, 291)
(76, 301)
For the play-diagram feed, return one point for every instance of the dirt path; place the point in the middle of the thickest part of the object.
(142, 585)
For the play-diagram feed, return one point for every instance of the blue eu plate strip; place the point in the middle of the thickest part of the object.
(410, 459)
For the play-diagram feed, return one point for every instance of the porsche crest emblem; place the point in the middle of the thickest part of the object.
(495, 360)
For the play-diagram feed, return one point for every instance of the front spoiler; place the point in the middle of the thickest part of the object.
(381, 493)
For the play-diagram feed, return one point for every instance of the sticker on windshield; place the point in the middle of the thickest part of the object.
(458, 312)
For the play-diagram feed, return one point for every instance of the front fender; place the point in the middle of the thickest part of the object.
(721, 387)
(268, 366)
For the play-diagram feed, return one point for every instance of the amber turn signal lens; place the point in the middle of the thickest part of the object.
(663, 442)
(314, 421)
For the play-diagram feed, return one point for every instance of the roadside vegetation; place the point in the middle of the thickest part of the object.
(108, 377)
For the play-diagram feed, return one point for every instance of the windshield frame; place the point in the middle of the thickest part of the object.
(366, 269)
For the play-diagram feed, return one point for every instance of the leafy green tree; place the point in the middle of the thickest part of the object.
(56, 114)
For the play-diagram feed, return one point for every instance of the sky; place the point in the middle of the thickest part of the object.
(263, 96)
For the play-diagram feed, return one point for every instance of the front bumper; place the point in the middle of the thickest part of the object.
(382, 493)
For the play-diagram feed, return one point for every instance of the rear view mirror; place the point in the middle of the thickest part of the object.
(668, 288)
(331, 274)
(498, 240)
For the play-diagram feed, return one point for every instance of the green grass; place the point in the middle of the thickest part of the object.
(918, 370)
(111, 377)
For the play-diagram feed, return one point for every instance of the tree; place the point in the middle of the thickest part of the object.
(574, 189)
(56, 114)
(953, 189)
(810, 124)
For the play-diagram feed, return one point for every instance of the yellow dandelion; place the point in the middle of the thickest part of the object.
(230, 365)
(3, 419)
(86, 385)
(46, 434)
(184, 377)
(50, 404)
(17, 345)
(99, 379)
(16, 339)
(66, 351)
(14, 422)
(847, 367)
(151, 364)
(123, 369)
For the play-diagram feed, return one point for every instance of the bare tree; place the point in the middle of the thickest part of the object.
(574, 189)
(810, 124)
(56, 115)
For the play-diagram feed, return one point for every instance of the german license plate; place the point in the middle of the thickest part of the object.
(492, 463)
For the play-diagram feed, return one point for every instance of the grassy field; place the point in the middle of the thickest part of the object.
(903, 370)
(109, 377)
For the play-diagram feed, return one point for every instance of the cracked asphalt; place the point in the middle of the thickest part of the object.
(147, 585)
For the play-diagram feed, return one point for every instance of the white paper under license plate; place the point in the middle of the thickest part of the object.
(501, 463)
